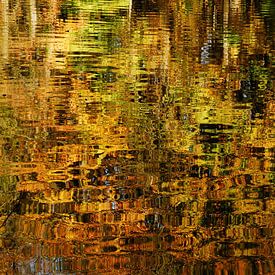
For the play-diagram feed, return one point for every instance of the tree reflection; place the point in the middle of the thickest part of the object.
(136, 136)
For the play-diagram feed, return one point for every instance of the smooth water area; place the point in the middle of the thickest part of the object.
(137, 137)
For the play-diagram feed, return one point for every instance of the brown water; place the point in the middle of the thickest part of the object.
(137, 137)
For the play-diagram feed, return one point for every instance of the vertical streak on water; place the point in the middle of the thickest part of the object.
(4, 29)
(130, 8)
(166, 54)
(130, 15)
(225, 40)
(33, 17)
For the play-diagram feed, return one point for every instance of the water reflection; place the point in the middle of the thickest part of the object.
(136, 137)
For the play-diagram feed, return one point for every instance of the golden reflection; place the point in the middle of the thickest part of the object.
(136, 137)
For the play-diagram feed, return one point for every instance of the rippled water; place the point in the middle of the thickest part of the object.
(137, 137)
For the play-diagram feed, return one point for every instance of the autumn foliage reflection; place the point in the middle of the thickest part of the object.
(136, 136)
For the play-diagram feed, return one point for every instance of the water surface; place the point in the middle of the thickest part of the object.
(137, 137)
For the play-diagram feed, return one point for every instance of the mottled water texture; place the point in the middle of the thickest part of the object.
(137, 137)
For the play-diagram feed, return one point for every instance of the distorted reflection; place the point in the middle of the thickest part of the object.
(137, 137)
